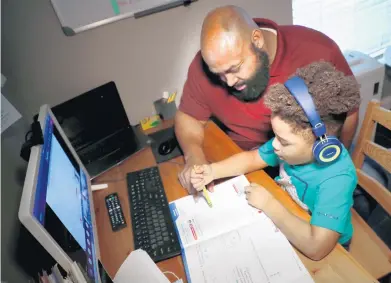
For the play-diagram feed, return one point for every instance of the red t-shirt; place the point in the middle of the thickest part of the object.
(249, 123)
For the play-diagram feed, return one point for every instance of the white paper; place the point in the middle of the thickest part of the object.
(9, 114)
(198, 222)
(255, 253)
(232, 241)
(139, 267)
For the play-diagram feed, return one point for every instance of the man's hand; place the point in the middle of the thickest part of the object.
(185, 177)
(201, 176)
(257, 196)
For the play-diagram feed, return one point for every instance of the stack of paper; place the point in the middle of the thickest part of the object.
(233, 242)
(54, 277)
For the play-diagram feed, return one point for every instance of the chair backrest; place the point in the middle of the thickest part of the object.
(366, 147)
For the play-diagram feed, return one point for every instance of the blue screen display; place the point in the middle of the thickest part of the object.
(62, 201)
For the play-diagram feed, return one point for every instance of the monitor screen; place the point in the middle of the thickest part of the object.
(62, 203)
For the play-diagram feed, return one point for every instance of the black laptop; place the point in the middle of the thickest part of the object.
(96, 124)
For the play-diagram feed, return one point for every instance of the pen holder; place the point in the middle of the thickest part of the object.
(165, 110)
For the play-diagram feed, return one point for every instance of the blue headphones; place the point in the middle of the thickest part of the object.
(326, 149)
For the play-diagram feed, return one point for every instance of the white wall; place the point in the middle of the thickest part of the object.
(42, 65)
(144, 56)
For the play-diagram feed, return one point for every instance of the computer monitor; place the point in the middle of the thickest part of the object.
(57, 205)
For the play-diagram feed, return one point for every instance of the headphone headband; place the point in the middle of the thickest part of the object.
(325, 149)
(299, 90)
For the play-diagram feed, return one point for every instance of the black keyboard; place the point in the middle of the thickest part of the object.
(153, 227)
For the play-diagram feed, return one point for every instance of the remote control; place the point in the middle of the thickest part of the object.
(116, 214)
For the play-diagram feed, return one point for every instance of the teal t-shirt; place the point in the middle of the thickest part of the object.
(326, 191)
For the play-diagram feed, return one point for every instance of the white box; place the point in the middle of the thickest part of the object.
(370, 75)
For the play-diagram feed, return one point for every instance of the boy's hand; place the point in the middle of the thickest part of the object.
(201, 175)
(257, 196)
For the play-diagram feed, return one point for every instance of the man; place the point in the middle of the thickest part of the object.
(239, 59)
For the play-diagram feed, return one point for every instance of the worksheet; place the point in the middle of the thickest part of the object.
(232, 241)
(196, 221)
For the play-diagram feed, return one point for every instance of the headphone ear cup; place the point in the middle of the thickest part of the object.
(328, 151)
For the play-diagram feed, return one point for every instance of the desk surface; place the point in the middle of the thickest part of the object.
(338, 267)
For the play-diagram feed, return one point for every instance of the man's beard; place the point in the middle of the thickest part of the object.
(256, 85)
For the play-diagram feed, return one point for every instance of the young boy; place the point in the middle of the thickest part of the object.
(325, 191)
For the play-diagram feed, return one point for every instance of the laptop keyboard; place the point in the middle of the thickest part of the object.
(153, 227)
(103, 148)
(98, 151)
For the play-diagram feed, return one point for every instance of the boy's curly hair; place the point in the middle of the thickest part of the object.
(334, 94)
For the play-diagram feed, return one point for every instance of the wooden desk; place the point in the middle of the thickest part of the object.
(338, 267)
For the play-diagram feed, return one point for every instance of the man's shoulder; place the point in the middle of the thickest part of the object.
(197, 60)
(297, 35)
(303, 46)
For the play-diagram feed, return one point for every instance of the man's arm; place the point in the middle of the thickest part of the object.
(350, 126)
(193, 112)
(190, 135)
(349, 129)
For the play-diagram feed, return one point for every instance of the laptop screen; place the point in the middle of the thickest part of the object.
(62, 203)
(92, 116)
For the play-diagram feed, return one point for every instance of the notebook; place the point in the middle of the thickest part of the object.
(232, 241)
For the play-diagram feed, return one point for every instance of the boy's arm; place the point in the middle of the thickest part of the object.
(328, 221)
(313, 241)
(246, 162)
(238, 164)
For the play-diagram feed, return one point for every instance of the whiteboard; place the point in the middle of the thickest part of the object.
(79, 15)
